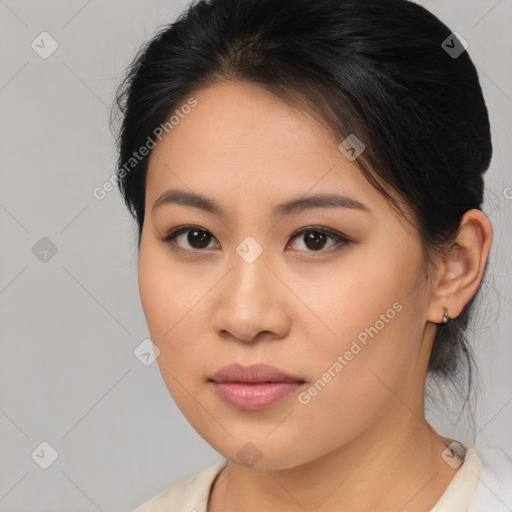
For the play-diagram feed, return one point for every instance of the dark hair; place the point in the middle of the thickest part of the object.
(379, 69)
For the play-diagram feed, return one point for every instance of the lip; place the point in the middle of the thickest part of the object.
(253, 387)
(254, 373)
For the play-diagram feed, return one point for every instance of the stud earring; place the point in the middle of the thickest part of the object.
(445, 315)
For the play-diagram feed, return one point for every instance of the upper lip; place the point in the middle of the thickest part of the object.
(253, 373)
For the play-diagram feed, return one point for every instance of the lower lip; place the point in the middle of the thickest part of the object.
(254, 396)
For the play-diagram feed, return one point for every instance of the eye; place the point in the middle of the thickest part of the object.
(199, 238)
(315, 238)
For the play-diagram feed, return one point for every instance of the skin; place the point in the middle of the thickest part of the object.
(362, 443)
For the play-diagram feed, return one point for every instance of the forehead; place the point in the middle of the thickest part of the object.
(241, 142)
(235, 119)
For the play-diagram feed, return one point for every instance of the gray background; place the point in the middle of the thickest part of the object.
(69, 325)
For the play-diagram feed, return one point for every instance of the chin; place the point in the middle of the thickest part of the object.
(261, 454)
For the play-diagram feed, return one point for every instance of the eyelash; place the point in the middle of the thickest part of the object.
(342, 241)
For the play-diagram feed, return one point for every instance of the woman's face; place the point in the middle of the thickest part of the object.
(346, 318)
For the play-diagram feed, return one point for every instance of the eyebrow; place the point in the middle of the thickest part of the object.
(295, 205)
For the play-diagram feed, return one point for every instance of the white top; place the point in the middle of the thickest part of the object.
(480, 485)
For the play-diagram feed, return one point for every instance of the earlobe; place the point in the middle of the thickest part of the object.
(462, 267)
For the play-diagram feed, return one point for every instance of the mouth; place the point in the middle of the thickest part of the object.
(255, 382)
(253, 387)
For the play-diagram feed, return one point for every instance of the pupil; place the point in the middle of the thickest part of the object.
(202, 239)
(317, 238)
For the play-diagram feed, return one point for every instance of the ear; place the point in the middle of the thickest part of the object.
(462, 266)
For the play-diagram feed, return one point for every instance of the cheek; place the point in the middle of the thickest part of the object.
(167, 293)
(356, 375)
(152, 283)
(359, 293)
(367, 325)
(175, 315)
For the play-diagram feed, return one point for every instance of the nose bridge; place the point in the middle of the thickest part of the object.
(250, 301)
(250, 276)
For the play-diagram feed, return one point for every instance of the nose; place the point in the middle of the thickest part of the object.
(251, 302)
